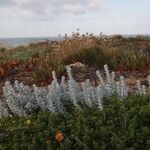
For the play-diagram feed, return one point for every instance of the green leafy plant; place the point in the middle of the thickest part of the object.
(120, 125)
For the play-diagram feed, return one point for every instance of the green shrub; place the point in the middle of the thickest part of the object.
(41, 74)
(132, 58)
(122, 124)
(93, 56)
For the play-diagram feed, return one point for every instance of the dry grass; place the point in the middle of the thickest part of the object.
(121, 54)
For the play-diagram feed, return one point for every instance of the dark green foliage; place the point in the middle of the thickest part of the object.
(93, 56)
(123, 124)
(123, 56)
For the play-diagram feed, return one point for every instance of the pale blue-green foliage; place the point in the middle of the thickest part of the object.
(19, 99)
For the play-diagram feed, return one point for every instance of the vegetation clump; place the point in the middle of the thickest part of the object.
(100, 115)
(120, 53)
(121, 124)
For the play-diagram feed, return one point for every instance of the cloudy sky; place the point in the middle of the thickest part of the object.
(30, 18)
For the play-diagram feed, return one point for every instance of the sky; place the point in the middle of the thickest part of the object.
(41, 18)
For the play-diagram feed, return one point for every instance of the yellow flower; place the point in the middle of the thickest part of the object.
(59, 136)
(47, 142)
(28, 122)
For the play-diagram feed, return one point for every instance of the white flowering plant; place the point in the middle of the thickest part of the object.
(19, 99)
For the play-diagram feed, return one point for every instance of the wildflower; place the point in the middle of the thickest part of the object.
(47, 141)
(14, 63)
(28, 122)
(143, 89)
(59, 136)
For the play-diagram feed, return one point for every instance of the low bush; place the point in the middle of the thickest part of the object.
(69, 116)
(122, 124)
(122, 58)
(120, 53)
(93, 56)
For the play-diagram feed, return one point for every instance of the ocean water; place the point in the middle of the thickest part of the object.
(14, 42)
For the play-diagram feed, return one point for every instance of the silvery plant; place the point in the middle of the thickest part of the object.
(20, 99)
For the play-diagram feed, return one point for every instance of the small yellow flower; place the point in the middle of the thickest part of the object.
(59, 136)
(47, 141)
(28, 122)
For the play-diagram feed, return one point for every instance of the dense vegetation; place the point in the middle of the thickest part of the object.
(38, 60)
(104, 114)
(122, 124)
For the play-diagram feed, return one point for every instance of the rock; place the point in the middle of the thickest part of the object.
(77, 64)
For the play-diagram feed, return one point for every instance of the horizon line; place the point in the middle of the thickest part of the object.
(19, 37)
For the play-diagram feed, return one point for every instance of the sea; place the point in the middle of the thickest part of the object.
(15, 42)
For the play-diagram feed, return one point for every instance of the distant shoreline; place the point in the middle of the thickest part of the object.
(15, 42)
